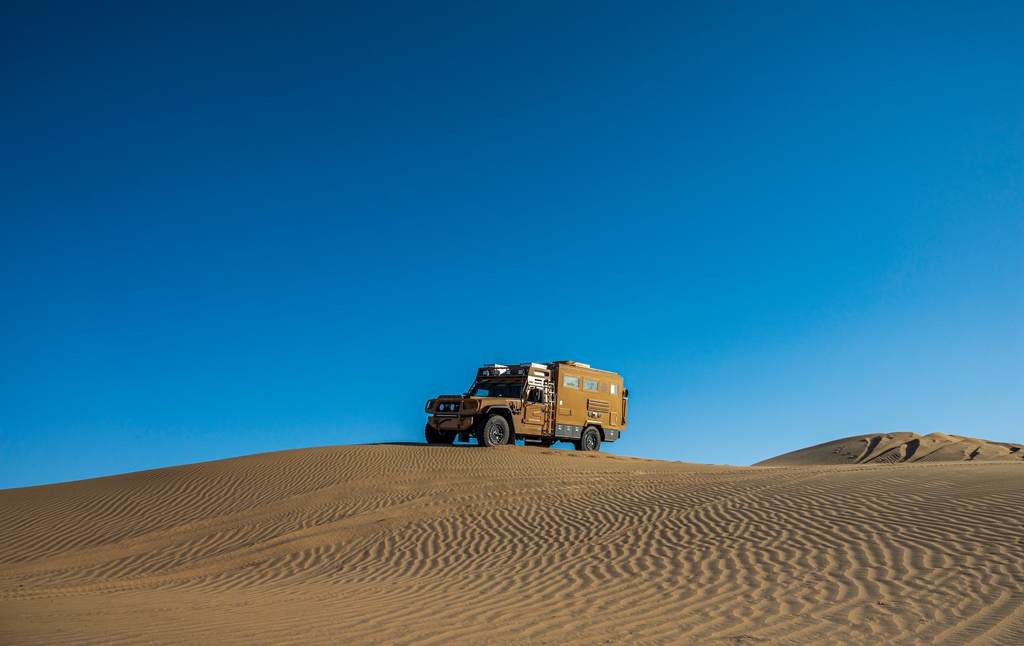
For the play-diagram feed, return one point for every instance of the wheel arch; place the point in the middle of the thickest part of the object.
(504, 411)
(600, 429)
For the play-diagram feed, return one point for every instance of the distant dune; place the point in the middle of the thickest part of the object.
(438, 545)
(894, 448)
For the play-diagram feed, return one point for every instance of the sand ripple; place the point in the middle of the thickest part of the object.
(518, 545)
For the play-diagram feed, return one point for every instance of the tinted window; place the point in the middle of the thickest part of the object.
(487, 389)
(590, 384)
(571, 382)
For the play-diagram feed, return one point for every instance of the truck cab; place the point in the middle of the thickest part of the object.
(539, 403)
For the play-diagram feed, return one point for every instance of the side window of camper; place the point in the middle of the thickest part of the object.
(590, 384)
(571, 382)
(615, 389)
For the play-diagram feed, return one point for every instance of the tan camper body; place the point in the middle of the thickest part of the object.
(539, 403)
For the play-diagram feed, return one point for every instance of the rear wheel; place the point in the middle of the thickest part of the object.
(434, 436)
(590, 440)
(494, 431)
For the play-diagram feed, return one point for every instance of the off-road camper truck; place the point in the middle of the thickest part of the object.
(539, 403)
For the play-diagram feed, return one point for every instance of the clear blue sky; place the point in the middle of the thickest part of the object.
(228, 228)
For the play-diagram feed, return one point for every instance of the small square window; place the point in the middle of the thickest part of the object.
(590, 384)
(615, 389)
(571, 382)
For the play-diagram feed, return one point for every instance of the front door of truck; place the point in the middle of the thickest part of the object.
(533, 411)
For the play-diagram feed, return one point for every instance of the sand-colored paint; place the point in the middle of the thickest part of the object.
(571, 396)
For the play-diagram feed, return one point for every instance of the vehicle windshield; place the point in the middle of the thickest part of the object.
(496, 389)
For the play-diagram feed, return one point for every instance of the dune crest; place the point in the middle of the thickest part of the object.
(892, 448)
(515, 545)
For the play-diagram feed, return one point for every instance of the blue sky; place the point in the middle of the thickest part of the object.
(228, 228)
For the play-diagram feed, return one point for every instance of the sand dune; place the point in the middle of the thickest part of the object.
(894, 448)
(515, 545)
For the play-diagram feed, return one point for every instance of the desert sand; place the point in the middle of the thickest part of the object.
(895, 448)
(405, 544)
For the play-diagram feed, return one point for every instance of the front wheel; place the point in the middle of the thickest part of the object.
(590, 440)
(494, 431)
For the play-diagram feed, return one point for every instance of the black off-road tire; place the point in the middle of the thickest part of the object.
(494, 431)
(434, 436)
(590, 440)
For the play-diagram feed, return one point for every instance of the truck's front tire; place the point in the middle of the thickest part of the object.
(434, 436)
(590, 440)
(494, 431)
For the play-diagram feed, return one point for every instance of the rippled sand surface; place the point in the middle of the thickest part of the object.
(898, 448)
(516, 545)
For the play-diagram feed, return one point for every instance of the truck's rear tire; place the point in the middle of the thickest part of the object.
(590, 440)
(494, 431)
(434, 436)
